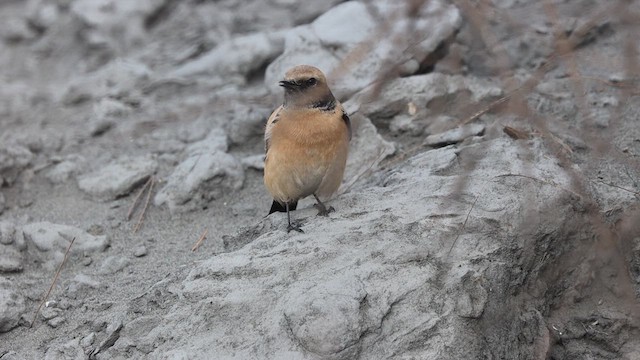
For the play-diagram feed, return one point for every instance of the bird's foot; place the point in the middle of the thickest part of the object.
(295, 227)
(323, 211)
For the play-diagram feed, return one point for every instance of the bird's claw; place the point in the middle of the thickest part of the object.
(323, 211)
(294, 227)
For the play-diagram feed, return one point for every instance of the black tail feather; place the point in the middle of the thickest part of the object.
(276, 206)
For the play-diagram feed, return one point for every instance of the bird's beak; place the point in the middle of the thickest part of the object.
(288, 84)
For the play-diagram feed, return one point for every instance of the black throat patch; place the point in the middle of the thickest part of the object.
(326, 104)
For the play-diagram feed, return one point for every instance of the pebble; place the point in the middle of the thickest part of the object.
(63, 171)
(50, 312)
(7, 232)
(118, 178)
(13, 159)
(10, 259)
(113, 264)
(454, 135)
(88, 340)
(56, 321)
(140, 251)
(12, 306)
(47, 236)
(254, 162)
(206, 174)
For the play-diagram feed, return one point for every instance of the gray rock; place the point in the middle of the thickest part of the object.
(56, 321)
(207, 173)
(46, 236)
(11, 355)
(7, 230)
(48, 312)
(312, 313)
(69, 350)
(140, 251)
(15, 29)
(139, 334)
(82, 282)
(335, 291)
(123, 23)
(348, 29)
(424, 92)
(41, 14)
(64, 170)
(106, 113)
(454, 135)
(473, 298)
(13, 159)
(240, 55)
(113, 264)
(113, 334)
(253, 162)
(88, 340)
(119, 177)
(247, 124)
(121, 79)
(12, 306)
(10, 259)
(366, 150)
(195, 130)
(2, 205)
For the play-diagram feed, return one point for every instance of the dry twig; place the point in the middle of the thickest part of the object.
(146, 205)
(200, 240)
(135, 201)
(53, 283)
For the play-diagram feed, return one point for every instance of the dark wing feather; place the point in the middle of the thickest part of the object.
(347, 121)
(273, 119)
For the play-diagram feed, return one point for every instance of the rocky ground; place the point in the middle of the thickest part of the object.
(489, 209)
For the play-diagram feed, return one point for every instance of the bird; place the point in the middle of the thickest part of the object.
(306, 143)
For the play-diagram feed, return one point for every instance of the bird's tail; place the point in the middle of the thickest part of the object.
(276, 206)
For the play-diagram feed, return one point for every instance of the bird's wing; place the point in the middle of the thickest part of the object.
(273, 119)
(347, 122)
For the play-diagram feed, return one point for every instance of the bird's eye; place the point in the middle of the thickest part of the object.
(312, 81)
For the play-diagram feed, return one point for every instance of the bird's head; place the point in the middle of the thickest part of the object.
(306, 86)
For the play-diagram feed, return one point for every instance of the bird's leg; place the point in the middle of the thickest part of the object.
(322, 209)
(291, 227)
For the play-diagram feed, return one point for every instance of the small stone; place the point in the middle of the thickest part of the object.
(25, 201)
(87, 260)
(56, 321)
(81, 282)
(454, 135)
(42, 15)
(140, 251)
(113, 329)
(113, 264)
(206, 174)
(13, 159)
(88, 340)
(12, 306)
(105, 113)
(63, 171)
(10, 259)
(472, 299)
(254, 162)
(49, 312)
(47, 236)
(118, 178)
(69, 350)
(7, 231)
